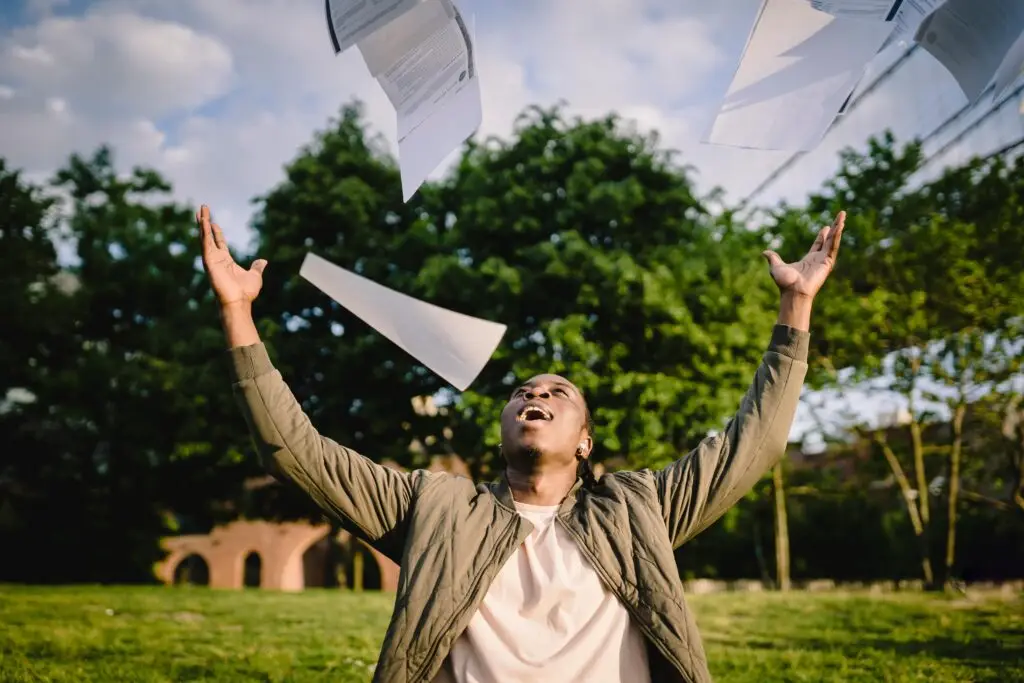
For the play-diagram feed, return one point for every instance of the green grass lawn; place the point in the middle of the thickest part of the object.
(173, 634)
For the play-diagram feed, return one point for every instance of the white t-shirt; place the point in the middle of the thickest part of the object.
(547, 617)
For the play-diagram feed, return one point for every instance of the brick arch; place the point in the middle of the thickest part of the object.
(280, 546)
(169, 567)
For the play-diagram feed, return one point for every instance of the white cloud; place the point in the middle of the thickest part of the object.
(117, 64)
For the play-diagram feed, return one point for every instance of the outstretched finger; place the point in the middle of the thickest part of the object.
(837, 235)
(819, 241)
(205, 232)
(218, 237)
(772, 258)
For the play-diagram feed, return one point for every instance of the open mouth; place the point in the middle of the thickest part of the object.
(534, 412)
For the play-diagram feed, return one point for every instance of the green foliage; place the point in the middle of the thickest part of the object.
(28, 277)
(582, 236)
(919, 264)
(927, 302)
(590, 244)
(123, 424)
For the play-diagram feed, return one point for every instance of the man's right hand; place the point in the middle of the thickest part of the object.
(234, 285)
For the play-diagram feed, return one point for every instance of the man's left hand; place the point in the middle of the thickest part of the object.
(804, 278)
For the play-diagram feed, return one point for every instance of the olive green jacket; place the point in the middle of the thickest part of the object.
(451, 537)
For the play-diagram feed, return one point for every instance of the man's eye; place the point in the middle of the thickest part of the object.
(563, 392)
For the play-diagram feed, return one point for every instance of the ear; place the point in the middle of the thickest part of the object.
(585, 447)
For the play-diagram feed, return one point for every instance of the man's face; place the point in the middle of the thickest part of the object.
(545, 419)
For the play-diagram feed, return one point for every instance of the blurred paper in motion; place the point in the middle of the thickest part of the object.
(453, 345)
(876, 10)
(977, 41)
(798, 70)
(349, 21)
(421, 53)
(908, 18)
(425, 64)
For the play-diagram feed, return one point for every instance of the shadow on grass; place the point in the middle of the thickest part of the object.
(1004, 651)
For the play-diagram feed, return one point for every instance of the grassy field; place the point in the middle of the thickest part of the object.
(166, 634)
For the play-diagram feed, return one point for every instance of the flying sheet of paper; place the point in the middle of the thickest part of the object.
(973, 39)
(872, 10)
(909, 17)
(349, 21)
(453, 345)
(846, 103)
(799, 68)
(424, 62)
(1010, 69)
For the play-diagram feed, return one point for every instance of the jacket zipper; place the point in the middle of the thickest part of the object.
(625, 603)
(462, 606)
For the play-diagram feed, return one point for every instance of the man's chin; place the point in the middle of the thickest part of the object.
(526, 448)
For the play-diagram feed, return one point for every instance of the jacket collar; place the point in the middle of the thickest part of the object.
(502, 491)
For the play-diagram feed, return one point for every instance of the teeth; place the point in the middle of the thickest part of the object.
(534, 411)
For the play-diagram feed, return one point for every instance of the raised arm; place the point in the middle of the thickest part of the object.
(697, 489)
(370, 500)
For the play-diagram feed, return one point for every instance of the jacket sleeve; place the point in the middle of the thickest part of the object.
(369, 499)
(697, 489)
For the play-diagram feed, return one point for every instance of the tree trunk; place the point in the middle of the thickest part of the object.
(954, 487)
(781, 530)
(920, 474)
(1013, 429)
(912, 510)
(766, 577)
(357, 567)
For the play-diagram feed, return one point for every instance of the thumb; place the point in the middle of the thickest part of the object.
(772, 258)
(258, 265)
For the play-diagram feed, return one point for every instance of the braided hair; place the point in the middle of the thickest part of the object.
(583, 470)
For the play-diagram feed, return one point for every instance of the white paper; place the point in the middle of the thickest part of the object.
(1011, 67)
(872, 10)
(349, 21)
(423, 148)
(909, 17)
(453, 345)
(972, 39)
(386, 47)
(424, 62)
(421, 53)
(799, 67)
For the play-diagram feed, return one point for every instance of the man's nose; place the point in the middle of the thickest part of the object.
(538, 392)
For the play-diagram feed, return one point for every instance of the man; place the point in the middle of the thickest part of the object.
(546, 574)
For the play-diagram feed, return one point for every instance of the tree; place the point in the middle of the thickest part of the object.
(588, 241)
(782, 557)
(28, 280)
(30, 299)
(929, 269)
(1013, 430)
(972, 365)
(129, 436)
(582, 236)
